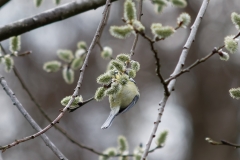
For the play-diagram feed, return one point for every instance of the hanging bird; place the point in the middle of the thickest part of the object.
(123, 101)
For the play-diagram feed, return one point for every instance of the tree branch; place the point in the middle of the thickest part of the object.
(139, 19)
(178, 69)
(50, 16)
(197, 62)
(222, 142)
(79, 83)
(3, 2)
(158, 65)
(16, 102)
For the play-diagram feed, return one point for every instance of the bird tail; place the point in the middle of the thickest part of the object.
(110, 118)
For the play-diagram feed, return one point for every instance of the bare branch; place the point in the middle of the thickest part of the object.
(197, 62)
(16, 102)
(3, 2)
(139, 19)
(178, 69)
(50, 16)
(79, 83)
(222, 142)
(158, 64)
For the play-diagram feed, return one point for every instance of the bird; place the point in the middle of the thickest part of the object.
(122, 102)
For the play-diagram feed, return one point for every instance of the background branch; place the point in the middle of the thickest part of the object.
(50, 16)
(16, 102)
(178, 69)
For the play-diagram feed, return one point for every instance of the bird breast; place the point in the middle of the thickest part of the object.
(125, 97)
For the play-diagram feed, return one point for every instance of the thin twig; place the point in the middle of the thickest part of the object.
(139, 19)
(50, 16)
(178, 69)
(79, 83)
(198, 61)
(80, 104)
(99, 40)
(158, 64)
(100, 46)
(17, 54)
(16, 102)
(222, 142)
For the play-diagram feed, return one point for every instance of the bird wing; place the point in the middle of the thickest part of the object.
(110, 118)
(134, 101)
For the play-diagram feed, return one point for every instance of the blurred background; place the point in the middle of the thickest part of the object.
(199, 107)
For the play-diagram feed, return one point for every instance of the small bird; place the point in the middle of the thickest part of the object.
(123, 101)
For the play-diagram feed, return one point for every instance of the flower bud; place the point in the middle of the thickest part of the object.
(231, 44)
(114, 89)
(9, 63)
(179, 3)
(15, 44)
(184, 20)
(162, 138)
(123, 79)
(65, 55)
(77, 99)
(162, 31)
(80, 53)
(223, 55)
(104, 79)
(52, 66)
(77, 63)
(57, 2)
(68, 75)
(235, 93)
(236, 20)
(100, 93)
(106, 53)
(110, 151)
(135, 65)
(131, 73)
(123, 57)
(129, 10)
(82, 45)
(138, 26)
(121, 32)
(37, 2)
(122, 144)
(118, 65)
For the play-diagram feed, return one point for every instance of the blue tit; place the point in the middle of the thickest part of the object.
(123, 101)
